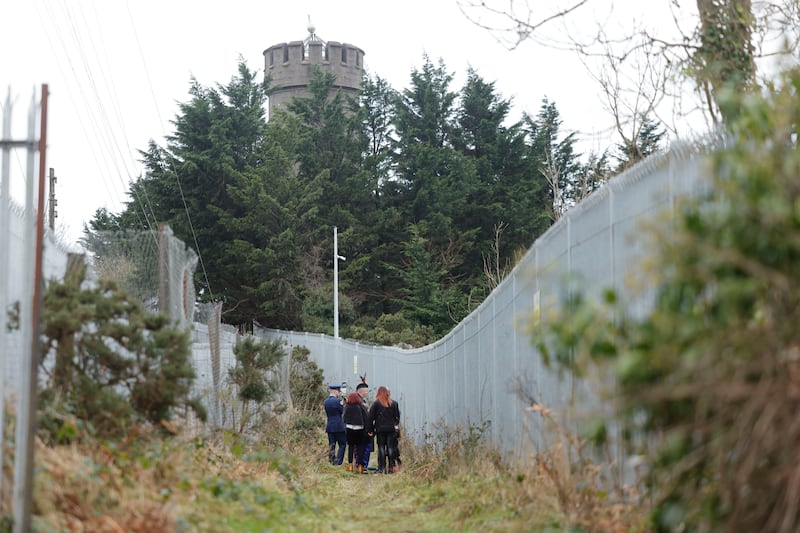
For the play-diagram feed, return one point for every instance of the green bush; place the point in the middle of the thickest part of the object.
(116, 364)
(712, 375)
(391, 330)
(305, 383)
(252, 374)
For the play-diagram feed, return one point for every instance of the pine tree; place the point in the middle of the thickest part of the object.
(116, 365)
(508, 193)
(554, 156)
(255, 360)
(648, 141)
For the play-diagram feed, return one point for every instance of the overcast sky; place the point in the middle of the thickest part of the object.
(116, 68)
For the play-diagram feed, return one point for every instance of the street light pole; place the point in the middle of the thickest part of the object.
(336, 258)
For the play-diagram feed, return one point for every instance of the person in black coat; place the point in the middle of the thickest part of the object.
(337, 433)
(363, 389)
(384, 418)
(355, 420)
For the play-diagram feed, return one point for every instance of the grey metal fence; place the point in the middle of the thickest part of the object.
(475, 373)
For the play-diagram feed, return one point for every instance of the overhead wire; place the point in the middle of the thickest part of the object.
(102, 122)
(120, 117)
(93, 132)
(170, 161)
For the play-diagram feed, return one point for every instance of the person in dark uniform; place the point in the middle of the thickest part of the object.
(337, 432)
(363, 389)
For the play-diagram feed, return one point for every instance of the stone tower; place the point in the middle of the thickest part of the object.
(290, 64)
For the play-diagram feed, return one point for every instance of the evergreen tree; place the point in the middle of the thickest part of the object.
(427, 298)
(554, 156)
(329, 152)
(268, 205)
(255, 360)
(225, 193)
(648, 141)
(369, 246)
(305, 382)
(509, 193)
(435, 183)
(377, 117)
(334, 158)
(591, 176)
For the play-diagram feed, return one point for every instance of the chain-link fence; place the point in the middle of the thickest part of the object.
(486, 369)
(155, 267)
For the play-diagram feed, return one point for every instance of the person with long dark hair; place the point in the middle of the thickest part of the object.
(355, 420)
(384, 418)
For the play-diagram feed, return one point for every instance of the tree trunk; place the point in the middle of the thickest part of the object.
(725, 58)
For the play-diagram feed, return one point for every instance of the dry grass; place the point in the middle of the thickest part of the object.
(280, 480)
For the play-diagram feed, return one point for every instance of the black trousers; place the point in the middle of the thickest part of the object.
(387, 450)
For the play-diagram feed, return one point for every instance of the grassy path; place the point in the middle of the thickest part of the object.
(402, 503)
(231, 485)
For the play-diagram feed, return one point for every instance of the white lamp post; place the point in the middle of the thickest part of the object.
(336, 258)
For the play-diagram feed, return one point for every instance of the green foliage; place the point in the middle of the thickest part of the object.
(305, 383)
(416, 178)
(725, 59)
(393, 329)
(649, 139)
(426, 295)
(710, 375)
(115, 364)
(12, 322)
(554, 158)
(255, 361)
(317, 313)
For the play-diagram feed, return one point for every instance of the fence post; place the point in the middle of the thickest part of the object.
(163, 269)
(5, 264)
(26, 415)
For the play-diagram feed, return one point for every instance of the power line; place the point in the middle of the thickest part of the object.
(169, 159)
(105, 122)
(90, 133)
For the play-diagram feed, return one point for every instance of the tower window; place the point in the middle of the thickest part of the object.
(344, 55)
(285, 54)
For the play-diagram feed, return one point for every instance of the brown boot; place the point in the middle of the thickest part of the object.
(360, 469)
(349, 467)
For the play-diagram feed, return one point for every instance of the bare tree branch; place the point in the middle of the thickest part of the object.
(523, 25)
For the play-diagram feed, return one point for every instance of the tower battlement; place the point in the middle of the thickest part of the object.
(290, 67)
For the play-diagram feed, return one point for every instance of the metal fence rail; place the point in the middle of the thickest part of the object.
(474, 374)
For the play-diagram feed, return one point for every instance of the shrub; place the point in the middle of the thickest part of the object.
(712, 374)
(305, 383)
(115, 363)
(255, 360)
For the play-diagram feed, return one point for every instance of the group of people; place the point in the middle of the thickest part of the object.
(357, 429)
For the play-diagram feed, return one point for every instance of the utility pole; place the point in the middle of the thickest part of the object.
(336, 258)
(52, 200)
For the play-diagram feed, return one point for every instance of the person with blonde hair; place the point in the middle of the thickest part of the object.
(384, 418)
